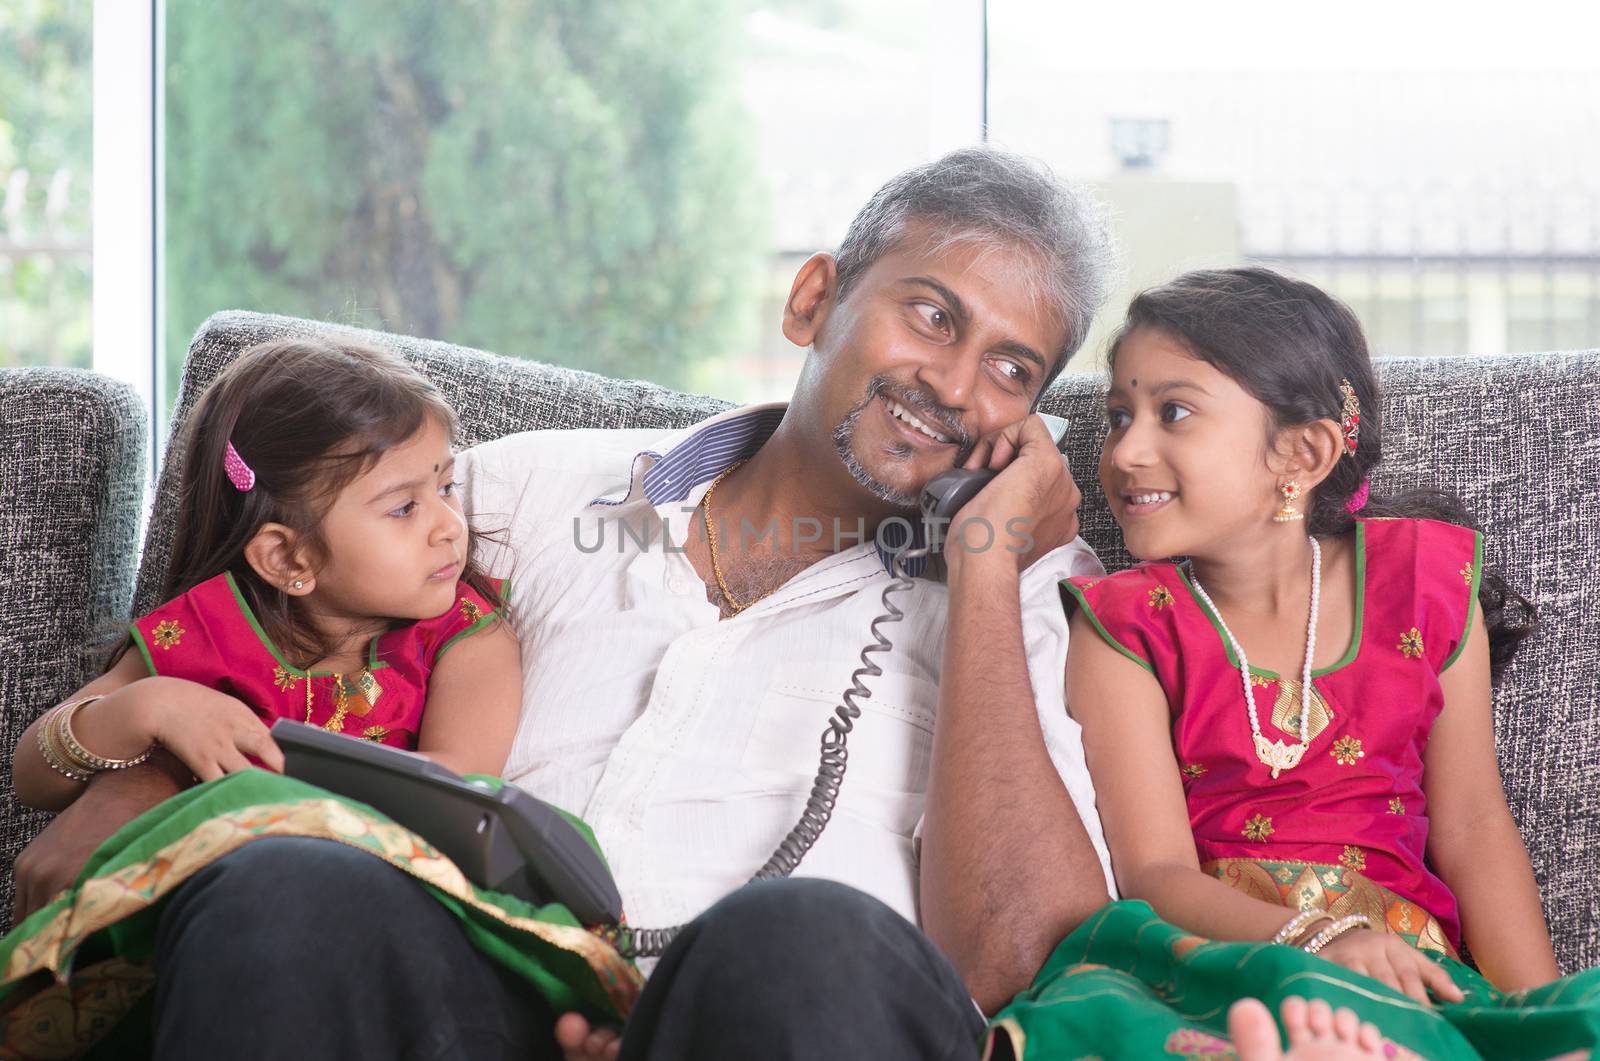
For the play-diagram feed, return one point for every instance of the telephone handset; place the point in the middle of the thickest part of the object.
(948, 492)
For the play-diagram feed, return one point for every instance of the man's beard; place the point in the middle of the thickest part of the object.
(926, 408)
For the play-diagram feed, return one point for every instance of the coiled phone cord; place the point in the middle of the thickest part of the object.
(651, 942)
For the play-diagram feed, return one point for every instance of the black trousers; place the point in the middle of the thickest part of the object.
(307, 949)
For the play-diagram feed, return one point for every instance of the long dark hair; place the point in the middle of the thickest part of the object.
(308, 417)
(1288, 343)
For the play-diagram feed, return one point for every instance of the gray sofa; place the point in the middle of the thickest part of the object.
(1518, 437)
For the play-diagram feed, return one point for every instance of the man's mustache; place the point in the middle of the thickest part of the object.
(928, 409)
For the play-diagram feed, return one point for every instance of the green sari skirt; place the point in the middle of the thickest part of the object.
(1127, 984)
(72, 970)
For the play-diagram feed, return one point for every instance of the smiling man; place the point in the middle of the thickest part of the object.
(677, 679)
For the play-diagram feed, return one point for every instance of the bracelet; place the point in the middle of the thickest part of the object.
(1335, 930)
(1296, 925)
(82, 757)
(54, 757)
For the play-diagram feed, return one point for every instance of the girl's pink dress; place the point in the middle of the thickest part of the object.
(209, 635)
(1347, 828)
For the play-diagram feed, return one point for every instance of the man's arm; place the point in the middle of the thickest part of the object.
(111, 800)
(1007, 868)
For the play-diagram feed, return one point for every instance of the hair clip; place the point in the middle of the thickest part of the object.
(1358, 498)
(239, 473)
(1350, 415)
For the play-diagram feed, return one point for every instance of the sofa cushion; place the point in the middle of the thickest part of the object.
(1515, 436)
(73, 463)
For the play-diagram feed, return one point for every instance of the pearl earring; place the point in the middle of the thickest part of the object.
(1288, 513)
(298, 584)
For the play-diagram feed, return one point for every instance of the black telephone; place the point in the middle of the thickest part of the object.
(948, 492)
(508, 841)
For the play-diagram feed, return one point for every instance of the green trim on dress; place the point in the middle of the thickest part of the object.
(266, 642)
(1350, 654)
(144, 650)
(1083, 604)
(1472, 600)
(485, 620)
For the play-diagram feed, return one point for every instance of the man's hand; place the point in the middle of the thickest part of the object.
(580, 1042)
(56, 856)
(1031, 506)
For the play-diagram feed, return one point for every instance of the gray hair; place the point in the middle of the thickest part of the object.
(988, 196)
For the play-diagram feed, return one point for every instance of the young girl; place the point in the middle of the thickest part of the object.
(322, 572)
(1290, 731)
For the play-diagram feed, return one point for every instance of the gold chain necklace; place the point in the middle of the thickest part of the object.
(711, 540)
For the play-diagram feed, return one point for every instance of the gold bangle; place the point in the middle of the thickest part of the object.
(1335, 930)
(83, 757)
(48, 751)
(1296, 925)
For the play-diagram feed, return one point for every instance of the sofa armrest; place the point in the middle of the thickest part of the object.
(72, 474)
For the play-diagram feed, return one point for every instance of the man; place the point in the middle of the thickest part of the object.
(678, 676)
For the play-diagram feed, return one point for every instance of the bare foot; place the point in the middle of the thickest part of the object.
(581, 1042)
(1316, 1033)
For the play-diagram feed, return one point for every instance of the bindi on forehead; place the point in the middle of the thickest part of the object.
(1134, 384)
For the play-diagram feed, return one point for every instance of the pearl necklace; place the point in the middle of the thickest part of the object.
(1276, 754)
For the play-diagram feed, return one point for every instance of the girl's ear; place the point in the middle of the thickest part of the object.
(281, 559)
(1310, 451)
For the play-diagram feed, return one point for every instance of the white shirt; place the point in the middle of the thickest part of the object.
(690, 744)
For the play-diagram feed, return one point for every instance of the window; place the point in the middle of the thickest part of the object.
(625, 187)
(629, 187)
(45, 183)
(1436, 173)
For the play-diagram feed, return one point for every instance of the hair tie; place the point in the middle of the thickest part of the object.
(239, 473)
(1358, 500)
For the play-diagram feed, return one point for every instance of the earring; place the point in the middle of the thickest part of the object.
(1288, 513)
(299, 584)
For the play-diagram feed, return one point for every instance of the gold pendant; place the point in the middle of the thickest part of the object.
(1278, 755)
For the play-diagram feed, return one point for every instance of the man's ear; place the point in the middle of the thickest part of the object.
(811, 299)
(1309, 452)
(281, 559)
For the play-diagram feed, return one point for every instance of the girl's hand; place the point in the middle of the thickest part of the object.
(210, 732)
(1390, 959)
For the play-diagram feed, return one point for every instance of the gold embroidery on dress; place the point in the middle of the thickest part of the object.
(470, 610)
(167, 633)
(1339, 890)
(1346, 750)
(1353, 858)
(283, 679)
(341, 705)
(1411, 643)
(1258, 828)
(1193, 770)
(1396, 807)
(370, 689)
(1286, 709)
(1160, 597)
(1259, 682)
(374, 734)
(1466, 574)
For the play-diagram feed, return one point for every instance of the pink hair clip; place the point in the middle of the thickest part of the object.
(239, 473)
(1358, 500)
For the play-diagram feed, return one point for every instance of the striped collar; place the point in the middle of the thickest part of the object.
(684, 460)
